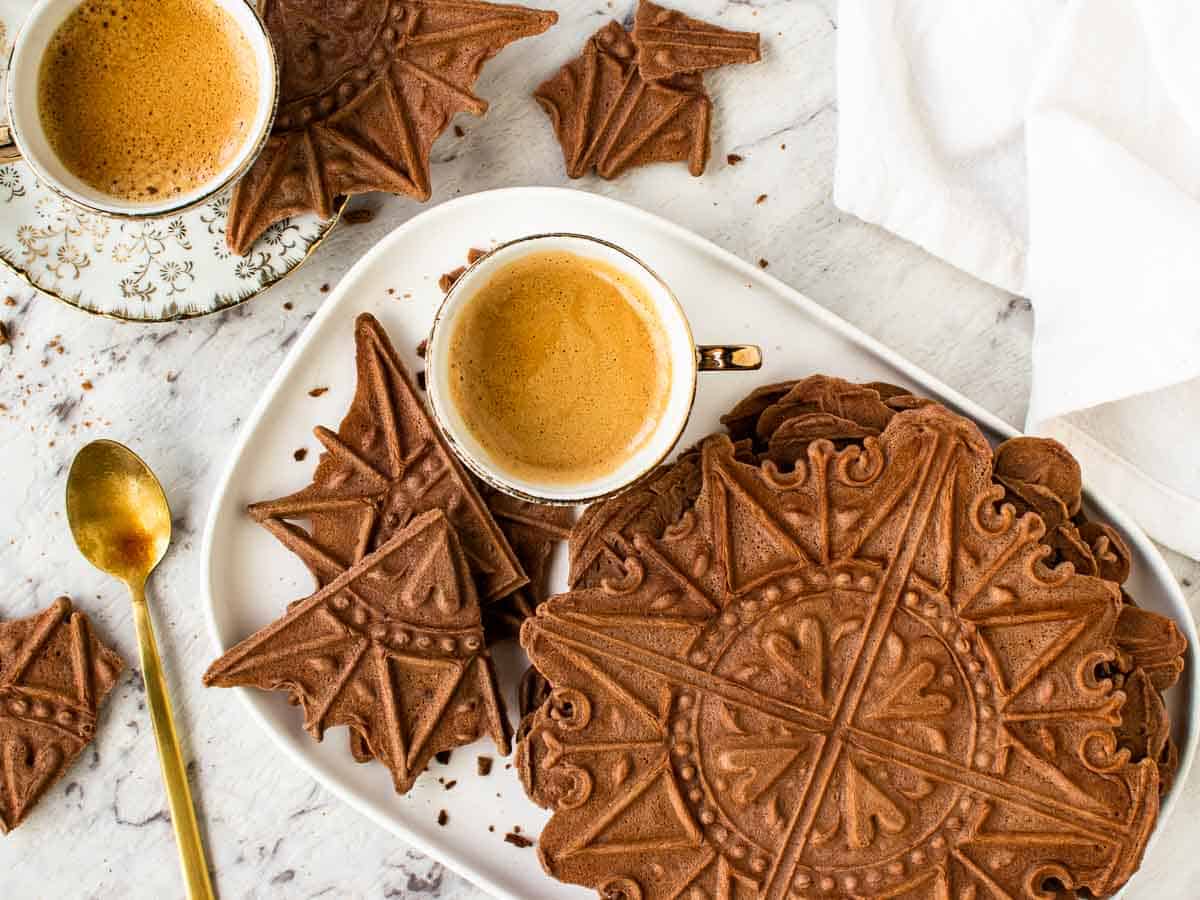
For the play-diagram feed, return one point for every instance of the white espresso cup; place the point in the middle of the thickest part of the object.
(24, 136)
(687, 360)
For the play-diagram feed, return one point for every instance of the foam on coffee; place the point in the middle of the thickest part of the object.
(559, 367)
(147, 99)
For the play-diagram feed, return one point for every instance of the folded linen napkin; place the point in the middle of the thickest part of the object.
(1053, 149)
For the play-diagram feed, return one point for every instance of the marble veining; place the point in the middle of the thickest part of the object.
(178, 394)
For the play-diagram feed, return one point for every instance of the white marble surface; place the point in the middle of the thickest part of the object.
(177, 393)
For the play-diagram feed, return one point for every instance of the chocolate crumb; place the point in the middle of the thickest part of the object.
(475, 254)
(449, 785)
(762, 263)
(324, 289)
(422, 347)
(87, 385)
(287, 305)
(491, 828)
(318, 391)
(518, 840)
(483, 765)
(733, 159)
(421, 379)
(443, 756)
(391, 292)
(443, 817)
(447, 281)
(171, 376)
(458, 131)
(762, 198)
(299, 455)
(358, 216)
(3, 334)
(517, 829)
(10, 301)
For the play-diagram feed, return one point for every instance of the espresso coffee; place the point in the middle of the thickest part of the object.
(146, 99)
(559, 367)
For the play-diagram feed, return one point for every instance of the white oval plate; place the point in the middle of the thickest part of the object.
(249, 578)
(150, 270)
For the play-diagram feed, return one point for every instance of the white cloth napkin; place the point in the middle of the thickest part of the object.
(1053, 148)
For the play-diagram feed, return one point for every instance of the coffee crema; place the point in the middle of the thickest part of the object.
(147, 99)
(559, 367)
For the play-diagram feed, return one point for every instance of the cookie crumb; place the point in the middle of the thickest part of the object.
(518, 840)
(491, 828)
(423, 347)
(318, 391)
(421, 379)
(171, 376)
(483, 765)
(299, 455)
(87, 385)
(762, 198)
(762, 263)
(475, 254)
(443, 817)
(733, 159)
(458, 131)
(358, 216)
(442, 756)
(449, 785)
(447, 281)
(287, 305)
(3, 334)
(324, 289)
(10, 301)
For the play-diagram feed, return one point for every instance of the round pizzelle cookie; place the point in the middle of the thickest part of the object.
(864, 675)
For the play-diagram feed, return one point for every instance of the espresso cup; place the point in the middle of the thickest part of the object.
(24, 135)
(687, 360)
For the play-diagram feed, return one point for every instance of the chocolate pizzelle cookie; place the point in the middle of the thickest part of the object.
(365, 90)
(54, 675)
(608, 117)
(845, 665)
(532, 530)
(392, 648)
(635, 98)
(670, 43)
(386, 464)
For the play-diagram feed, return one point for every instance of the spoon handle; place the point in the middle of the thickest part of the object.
(179, 795)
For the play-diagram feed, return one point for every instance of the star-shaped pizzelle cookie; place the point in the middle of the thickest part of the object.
(386, 464)
(670, 43)
(533, 530)
(855, 676)
(54, 674)
(607, 116)
(366, 88)
(392, 648)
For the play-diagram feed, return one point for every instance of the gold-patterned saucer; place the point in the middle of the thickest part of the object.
(149, 270)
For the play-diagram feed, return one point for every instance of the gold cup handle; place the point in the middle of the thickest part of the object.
(729, 357)
(8, 146)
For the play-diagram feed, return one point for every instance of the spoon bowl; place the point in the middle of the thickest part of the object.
(117, 511)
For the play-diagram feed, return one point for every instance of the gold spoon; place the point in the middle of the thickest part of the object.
(122, 525)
